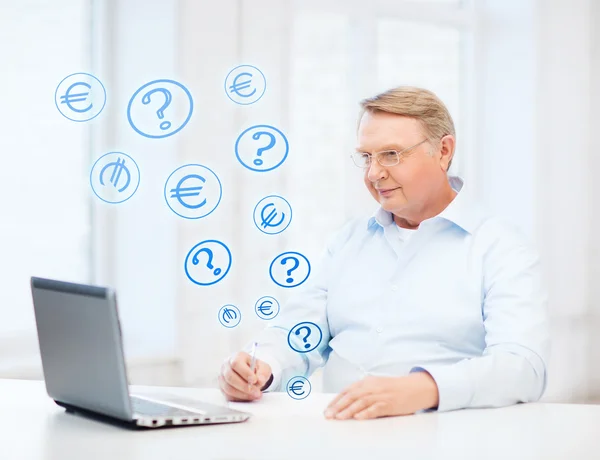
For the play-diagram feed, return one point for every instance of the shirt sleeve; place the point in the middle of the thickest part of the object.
(309, 303)
(512, 368)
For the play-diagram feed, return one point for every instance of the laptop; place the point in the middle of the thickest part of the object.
(84, 367)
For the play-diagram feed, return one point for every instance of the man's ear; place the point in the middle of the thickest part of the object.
(447, 144)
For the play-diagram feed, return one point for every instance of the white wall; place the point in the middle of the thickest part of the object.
(564, 196)
(564, 143)
(593, 256)
(535, 142)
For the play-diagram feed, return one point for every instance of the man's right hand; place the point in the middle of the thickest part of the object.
(238, 383)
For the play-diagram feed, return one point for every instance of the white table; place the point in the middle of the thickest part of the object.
(32, 427)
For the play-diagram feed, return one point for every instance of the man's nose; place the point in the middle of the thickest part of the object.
(376, 171)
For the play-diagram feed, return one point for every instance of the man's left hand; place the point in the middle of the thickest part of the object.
(374, 397)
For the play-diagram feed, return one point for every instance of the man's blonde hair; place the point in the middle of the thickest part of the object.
(417, 103)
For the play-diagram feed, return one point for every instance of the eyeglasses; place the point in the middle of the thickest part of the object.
(385, 158)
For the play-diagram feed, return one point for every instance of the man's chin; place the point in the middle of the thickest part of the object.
(389, 205)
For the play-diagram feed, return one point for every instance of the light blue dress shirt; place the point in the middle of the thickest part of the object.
(462, 298)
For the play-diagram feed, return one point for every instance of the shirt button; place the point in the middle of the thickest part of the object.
(394, 287)
(379, 330)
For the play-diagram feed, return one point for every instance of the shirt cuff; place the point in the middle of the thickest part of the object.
(454, 388)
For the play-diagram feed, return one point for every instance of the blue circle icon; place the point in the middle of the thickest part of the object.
(261, 148)
(266, 308)
(289, 269)
(304, 337)
(245, 84)
(160, 109)
(230, 316)
(272, 214)
(115, 177)
(193, 191)
(80, 97)
(207, 262)
(298, 387)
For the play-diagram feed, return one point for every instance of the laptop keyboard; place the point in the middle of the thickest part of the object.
(150, 408)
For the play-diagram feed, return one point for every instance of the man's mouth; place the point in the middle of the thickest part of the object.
(383, 191)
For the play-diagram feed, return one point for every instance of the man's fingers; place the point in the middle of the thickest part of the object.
(233, 379)
(354, 408)
(237, 373)
(341, 404)
(242, 358)
(263, 372)
(230, 393)
(377, 409)
(241, 365)
(233, 394)
(355, 388)
(335, 400)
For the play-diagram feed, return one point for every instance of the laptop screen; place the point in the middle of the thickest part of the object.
(81, 347)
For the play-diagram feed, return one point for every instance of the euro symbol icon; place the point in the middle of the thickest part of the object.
(180, 192)
(297, 388)
(265, 308)
(69, 98)
(119, 167)
(229, 314)
(237, 87)
(268, 221)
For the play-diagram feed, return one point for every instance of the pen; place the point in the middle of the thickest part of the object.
(253, 361)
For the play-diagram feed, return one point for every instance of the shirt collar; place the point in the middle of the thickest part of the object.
(462, 210)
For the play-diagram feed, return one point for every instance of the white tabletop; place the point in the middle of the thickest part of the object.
(32, 427)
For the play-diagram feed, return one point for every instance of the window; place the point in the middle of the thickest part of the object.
(421, 54)
(45, 225)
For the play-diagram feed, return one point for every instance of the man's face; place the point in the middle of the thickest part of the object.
(406, 188)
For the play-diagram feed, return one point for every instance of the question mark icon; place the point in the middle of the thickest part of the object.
(300, 262)
(312, 330)
(260, 151)
(289, 272)
(161, 111)
(249, 154)
(209, 264)
(201, 271)
(305, 338)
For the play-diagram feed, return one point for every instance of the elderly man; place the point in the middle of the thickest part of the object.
(431, 303)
